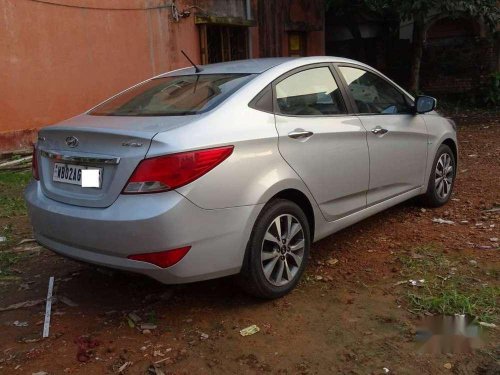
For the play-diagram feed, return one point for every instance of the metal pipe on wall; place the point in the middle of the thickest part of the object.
(249, 17)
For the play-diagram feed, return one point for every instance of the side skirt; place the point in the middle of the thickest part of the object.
(326, 228)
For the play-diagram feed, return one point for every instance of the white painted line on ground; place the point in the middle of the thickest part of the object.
(48, 308)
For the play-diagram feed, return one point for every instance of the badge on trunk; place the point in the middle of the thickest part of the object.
(72, 141)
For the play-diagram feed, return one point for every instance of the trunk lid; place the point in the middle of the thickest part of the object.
(115, 144)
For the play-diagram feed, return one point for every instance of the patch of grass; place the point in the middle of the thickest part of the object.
(451, 286)
(12, 185)
(12, 206)
(422, 259)
(15, 179)
(494, 273)
(481, 303)
(7, 260)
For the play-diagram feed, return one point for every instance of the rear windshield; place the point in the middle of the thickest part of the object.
(174, 96)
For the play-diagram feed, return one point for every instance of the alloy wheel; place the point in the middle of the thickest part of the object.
(443, 178)
(282, 250)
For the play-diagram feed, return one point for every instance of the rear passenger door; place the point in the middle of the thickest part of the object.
(320, 141)
(397, 137)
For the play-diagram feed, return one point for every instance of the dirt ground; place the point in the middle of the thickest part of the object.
(353, 313)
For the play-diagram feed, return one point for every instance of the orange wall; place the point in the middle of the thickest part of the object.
(56, 62)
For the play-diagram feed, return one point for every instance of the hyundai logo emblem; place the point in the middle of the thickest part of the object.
(72, 141)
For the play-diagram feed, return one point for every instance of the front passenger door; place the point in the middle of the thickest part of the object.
(397, 138)
(320, 141)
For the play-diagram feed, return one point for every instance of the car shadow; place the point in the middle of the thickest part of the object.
(106, 290)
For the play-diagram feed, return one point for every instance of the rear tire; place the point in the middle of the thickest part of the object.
(441, 179)
(277, 251)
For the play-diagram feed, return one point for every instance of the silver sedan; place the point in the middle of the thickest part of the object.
(236, 168)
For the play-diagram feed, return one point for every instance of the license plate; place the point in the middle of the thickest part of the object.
(72, 174)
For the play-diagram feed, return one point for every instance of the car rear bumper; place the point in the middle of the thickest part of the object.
(136, 224)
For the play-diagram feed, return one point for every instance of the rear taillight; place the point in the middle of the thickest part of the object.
(162, 259)
(34, 165)
(172, 171)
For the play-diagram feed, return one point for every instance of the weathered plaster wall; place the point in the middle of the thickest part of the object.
(56, 61)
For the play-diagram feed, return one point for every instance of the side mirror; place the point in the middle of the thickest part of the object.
(424, 104)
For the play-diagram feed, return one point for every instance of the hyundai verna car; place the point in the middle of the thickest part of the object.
(236, 168)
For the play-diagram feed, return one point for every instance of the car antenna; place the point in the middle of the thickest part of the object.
(197, 69)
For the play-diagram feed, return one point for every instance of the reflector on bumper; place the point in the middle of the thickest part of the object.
(162, 259)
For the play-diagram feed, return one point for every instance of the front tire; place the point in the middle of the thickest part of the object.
(277, 251)
(442, 178)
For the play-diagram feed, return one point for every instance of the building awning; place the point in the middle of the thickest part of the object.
(226, 21)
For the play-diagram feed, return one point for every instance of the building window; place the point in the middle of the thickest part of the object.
(221, 43)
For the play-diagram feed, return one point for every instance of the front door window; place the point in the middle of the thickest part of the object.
(373, 94)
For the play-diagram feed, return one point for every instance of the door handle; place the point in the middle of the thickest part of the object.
(299, 134)
(379, 130)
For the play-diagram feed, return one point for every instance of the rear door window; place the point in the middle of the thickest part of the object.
(311, 92)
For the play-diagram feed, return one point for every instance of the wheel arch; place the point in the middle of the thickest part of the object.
(452, 144)
(294, 195)
(301, 200)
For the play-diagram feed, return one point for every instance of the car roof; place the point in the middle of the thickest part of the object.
(254, 66)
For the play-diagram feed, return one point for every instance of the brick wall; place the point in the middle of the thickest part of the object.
(457, 65)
